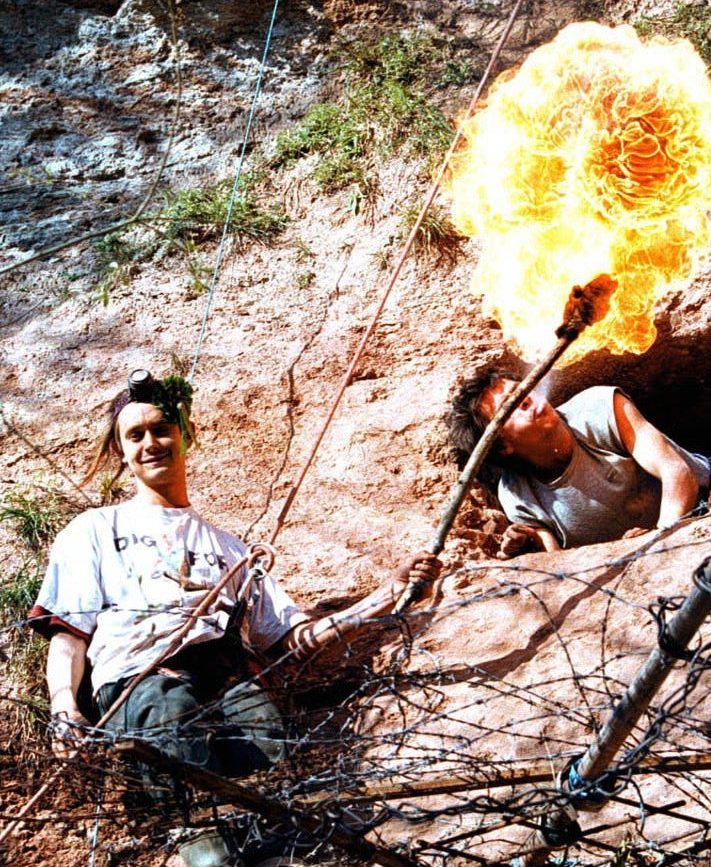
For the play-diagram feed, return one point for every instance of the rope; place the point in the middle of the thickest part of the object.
(396, 272)
(233, 194)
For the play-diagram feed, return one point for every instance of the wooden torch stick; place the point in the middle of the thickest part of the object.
(586, 304)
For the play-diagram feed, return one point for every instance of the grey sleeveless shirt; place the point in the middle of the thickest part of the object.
(603, 491)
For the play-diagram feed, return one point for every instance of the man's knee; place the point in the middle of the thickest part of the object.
(253, 726)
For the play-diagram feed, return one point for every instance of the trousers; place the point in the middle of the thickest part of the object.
(201, 708)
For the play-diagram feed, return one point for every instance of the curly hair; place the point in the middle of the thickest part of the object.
(466, 422)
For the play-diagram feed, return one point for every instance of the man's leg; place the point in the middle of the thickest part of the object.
(252, 736)
(162, 710)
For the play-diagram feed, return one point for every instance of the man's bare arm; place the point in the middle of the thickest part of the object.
(306, 638)
(66, 661)
(653, 452)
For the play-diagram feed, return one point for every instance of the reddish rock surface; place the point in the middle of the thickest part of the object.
(275, 350)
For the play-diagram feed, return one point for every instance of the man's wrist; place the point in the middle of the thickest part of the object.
(63, 701)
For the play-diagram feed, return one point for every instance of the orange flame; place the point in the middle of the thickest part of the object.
(593, 158)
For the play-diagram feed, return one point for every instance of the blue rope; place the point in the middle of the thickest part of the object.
(233, 195)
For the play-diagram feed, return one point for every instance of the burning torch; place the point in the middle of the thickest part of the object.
(586, 305)
(594, 157)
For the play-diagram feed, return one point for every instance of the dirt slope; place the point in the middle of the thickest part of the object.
(89, 92)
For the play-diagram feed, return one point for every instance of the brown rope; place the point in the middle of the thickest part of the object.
(345, 382)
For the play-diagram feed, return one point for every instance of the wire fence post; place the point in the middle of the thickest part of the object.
(588, 783)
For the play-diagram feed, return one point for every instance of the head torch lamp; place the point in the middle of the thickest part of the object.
(141, 386)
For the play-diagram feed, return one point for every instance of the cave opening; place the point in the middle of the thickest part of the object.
(670, 384)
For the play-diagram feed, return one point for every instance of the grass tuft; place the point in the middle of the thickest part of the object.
(111, 489)
(437, 236)
(18, 594)
(198, 215)
(387, 108)
(35, 518)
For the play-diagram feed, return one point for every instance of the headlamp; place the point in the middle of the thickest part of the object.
(141, 386)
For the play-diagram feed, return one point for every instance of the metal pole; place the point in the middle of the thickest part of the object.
(679, 631)
(561, 824)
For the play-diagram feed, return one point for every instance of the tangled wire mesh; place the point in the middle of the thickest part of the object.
(446, 745)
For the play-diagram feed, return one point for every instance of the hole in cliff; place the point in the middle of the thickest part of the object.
(670, 384)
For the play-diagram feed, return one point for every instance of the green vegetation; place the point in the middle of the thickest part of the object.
(114, 249)
(116, 258)
(199, 215)
(688, 20)
(111, 489)
(34, 515)
(305, 279)
(189, 219)
(386, 108)
(436, 235)
(20, 592)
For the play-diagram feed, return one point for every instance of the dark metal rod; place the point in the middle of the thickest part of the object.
(679, 632)
(680, 629)
(523, 774)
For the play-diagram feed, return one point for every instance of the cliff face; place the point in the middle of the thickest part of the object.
(96, 96)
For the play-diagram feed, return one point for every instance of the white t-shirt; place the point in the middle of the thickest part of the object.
(126, 578)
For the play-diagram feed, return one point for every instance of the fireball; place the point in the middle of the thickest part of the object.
(594, 157)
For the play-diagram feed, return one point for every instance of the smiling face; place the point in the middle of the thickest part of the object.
(152, 449)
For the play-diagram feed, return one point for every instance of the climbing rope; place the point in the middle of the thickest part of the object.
(233, 194)
(406, 249)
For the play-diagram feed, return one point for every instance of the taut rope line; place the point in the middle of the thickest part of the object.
(396, 272)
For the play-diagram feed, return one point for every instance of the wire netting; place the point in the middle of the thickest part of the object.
(438, 736)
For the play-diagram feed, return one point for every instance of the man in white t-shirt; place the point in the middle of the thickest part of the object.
(122, 580)
(592, 470)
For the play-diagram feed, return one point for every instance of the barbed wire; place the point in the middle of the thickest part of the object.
(439, 757)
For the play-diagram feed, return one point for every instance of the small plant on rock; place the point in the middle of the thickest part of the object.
(35, 517)
(436, 236)
(111, 489)
(387, 107)
(199, 215)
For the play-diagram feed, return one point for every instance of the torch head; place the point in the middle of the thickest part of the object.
(585, 305)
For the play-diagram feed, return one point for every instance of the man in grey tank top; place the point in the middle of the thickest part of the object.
(591, 471)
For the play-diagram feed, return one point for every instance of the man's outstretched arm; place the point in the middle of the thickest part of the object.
(653, 452)
(306, 638)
